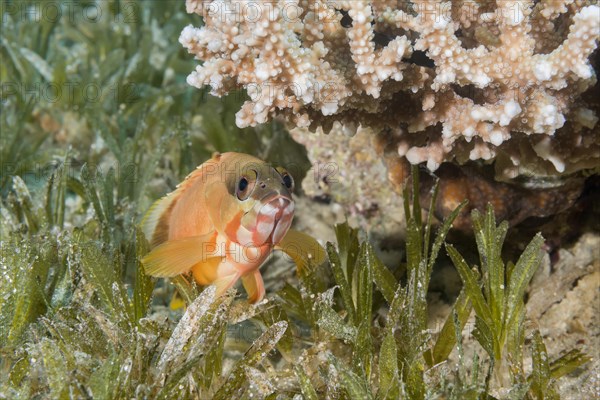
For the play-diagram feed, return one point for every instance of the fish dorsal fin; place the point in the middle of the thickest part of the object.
(176, 257)
(157, 221)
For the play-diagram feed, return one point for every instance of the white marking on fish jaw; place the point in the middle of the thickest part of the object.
(269, 210)
(283, 224)
(243, 236)
(264, 228)
(268, 217)
(289, 209)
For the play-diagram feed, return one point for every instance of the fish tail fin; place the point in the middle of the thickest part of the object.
(254, 285)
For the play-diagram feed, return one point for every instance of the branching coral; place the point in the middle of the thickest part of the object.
(502, 80)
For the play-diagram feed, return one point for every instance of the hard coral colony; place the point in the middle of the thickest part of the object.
(487, 81)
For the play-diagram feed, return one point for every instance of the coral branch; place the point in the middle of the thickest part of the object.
(496, 81)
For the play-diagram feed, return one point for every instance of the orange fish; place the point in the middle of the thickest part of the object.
(223, 221)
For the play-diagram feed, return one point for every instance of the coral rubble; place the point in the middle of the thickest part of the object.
(347, 171)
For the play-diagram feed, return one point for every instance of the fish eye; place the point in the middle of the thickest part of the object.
(243, 188)
(243, 184)
(288, 181)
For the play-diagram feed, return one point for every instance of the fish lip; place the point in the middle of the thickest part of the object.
(274, 199)
(267, 199)
(274, 196)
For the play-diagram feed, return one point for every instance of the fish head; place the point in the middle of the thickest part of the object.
(259, 208)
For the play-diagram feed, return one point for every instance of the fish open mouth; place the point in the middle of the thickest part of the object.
(273, 220)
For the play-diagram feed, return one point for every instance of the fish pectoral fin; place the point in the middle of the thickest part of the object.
(176, 257)
(302, 248)
(254, 285)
